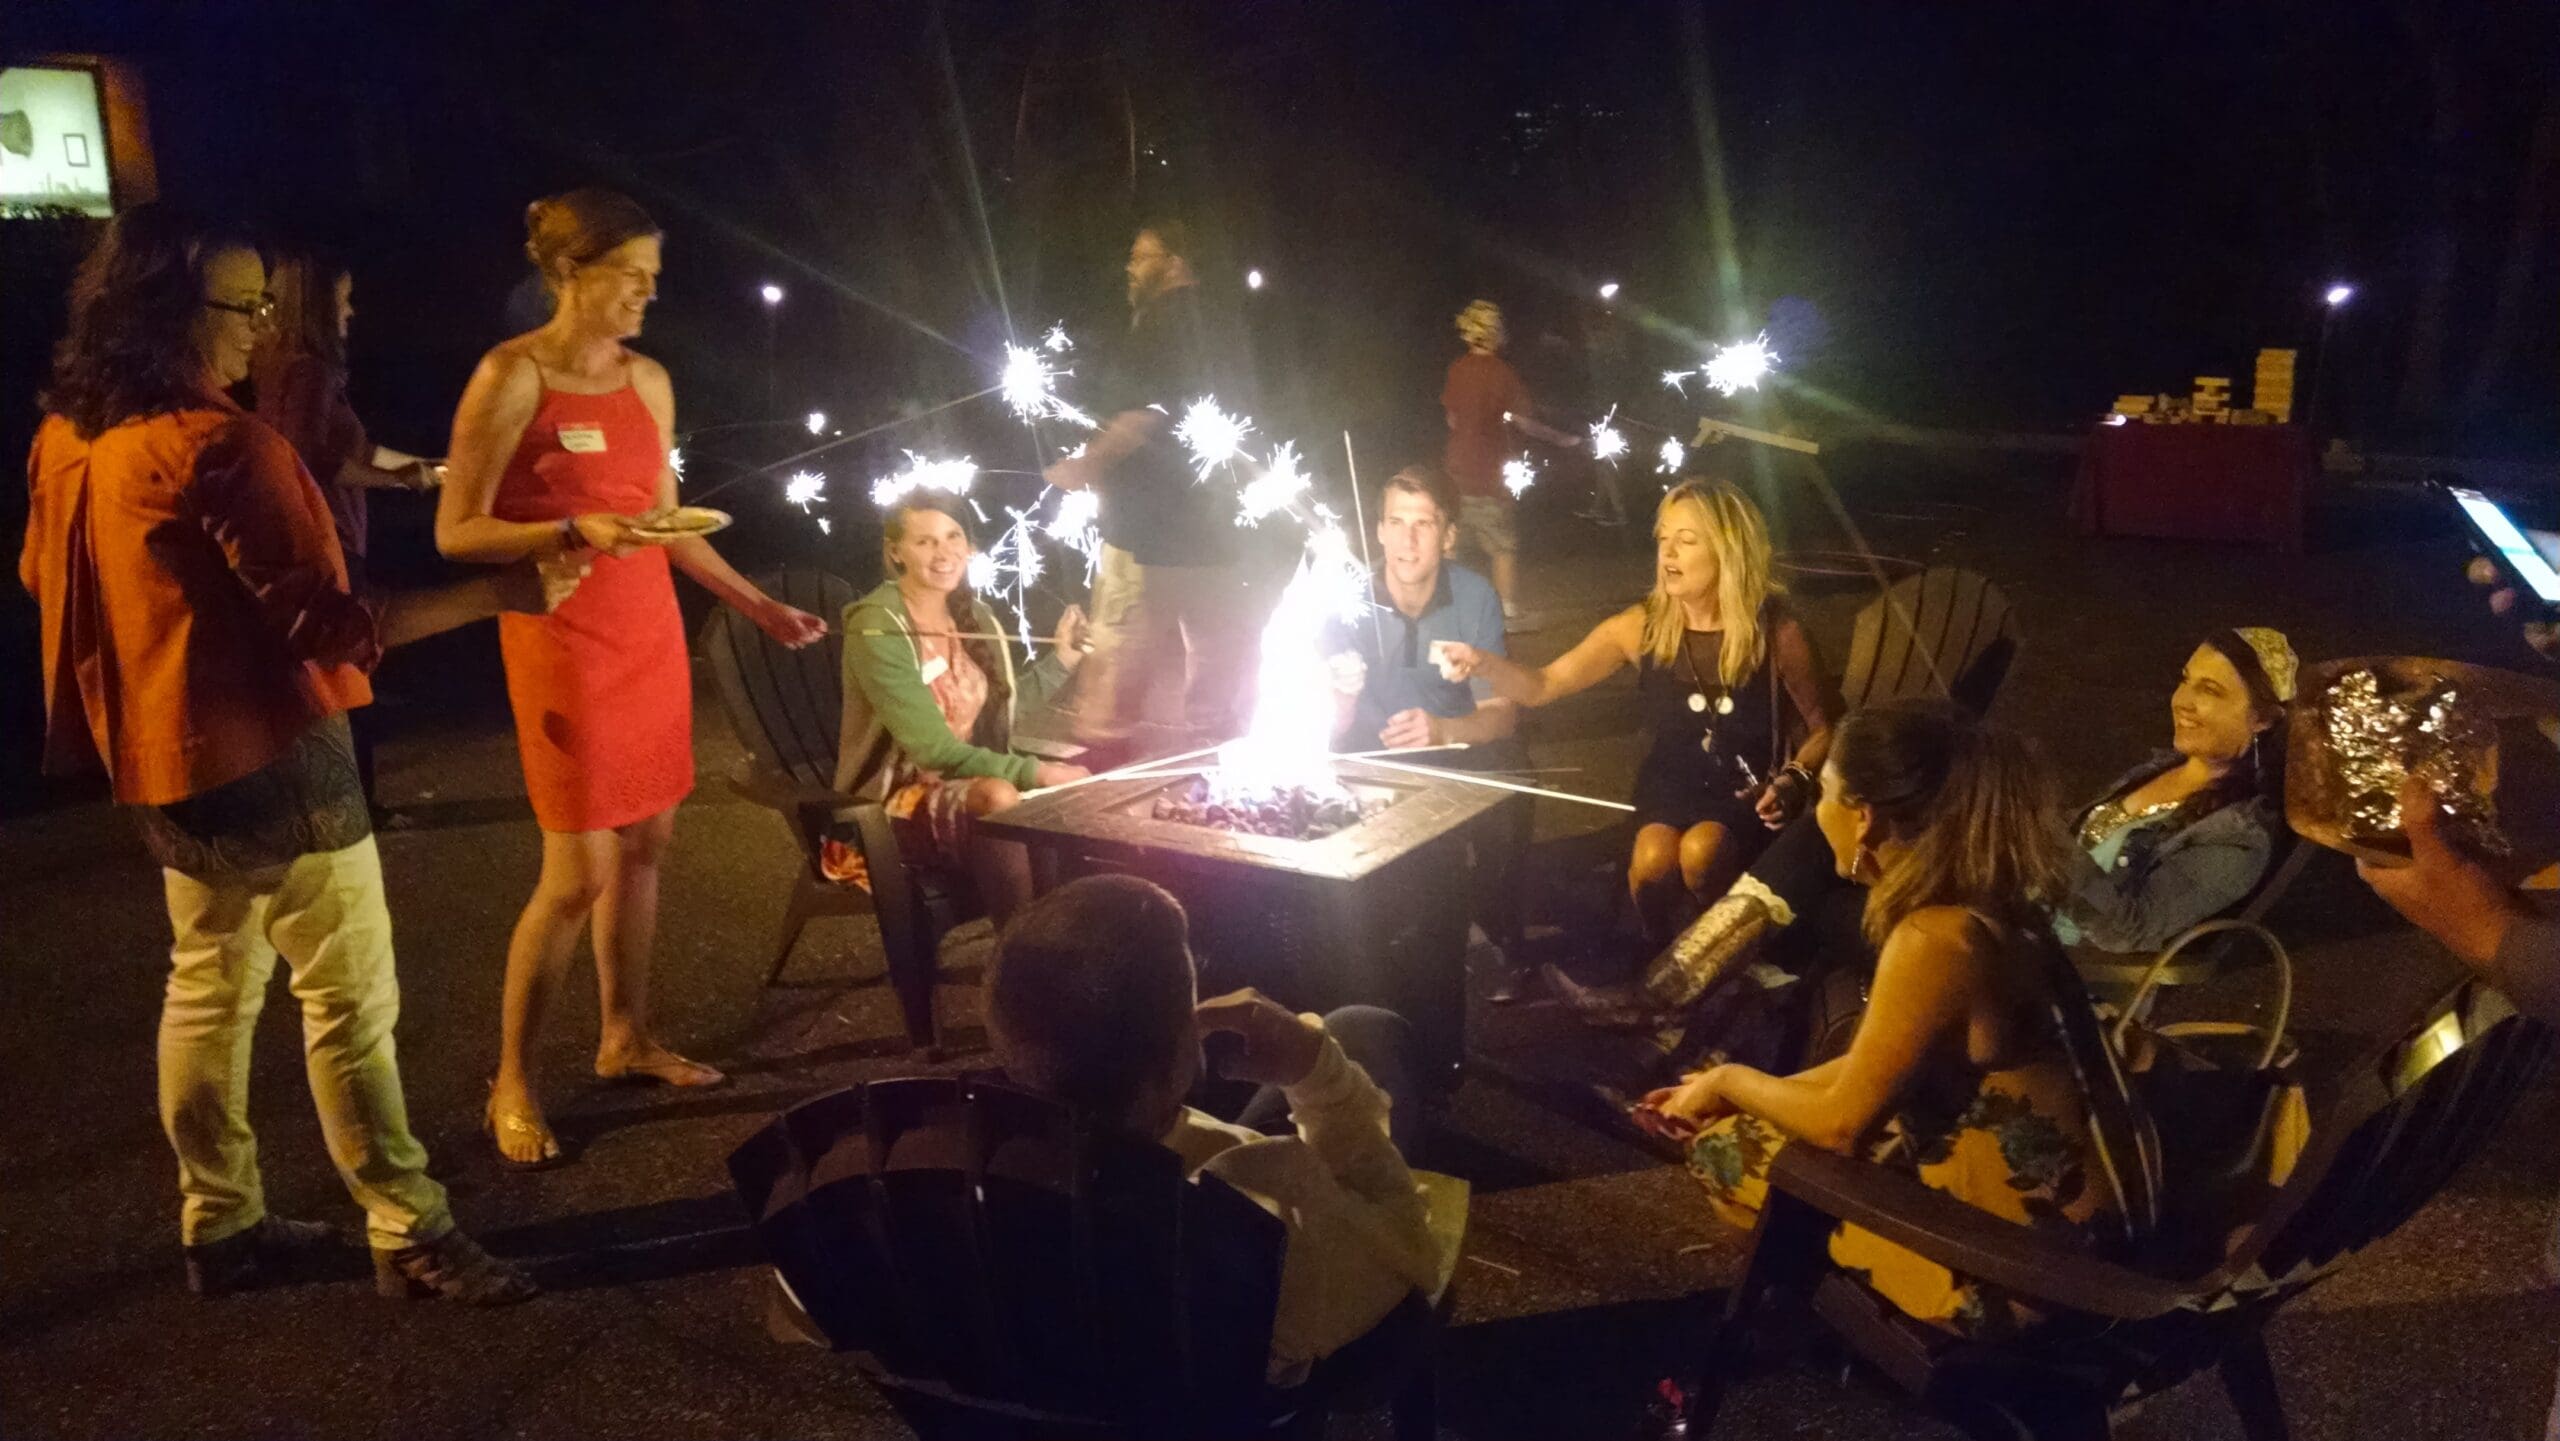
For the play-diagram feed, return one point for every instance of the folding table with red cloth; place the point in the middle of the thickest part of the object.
(2195, 482)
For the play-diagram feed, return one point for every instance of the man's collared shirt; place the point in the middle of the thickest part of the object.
(1397, 651)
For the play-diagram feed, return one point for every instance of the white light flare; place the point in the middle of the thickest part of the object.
(804, 488)
(2338, 294)
(1740, 367)
(953, 477)
(817, 422)
(1213, 437)
(1609, 290)
(771, 292)
(1673, 455)
(1607, 441)
(1277, 488)
(1290, 737)
(1253, 280)
(1518, 474)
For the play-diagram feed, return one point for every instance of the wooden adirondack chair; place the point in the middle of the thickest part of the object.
(2406, 1119)
(1008, 1269)
(786, 707)
(1944, 632)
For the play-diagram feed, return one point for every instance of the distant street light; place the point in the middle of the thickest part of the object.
(772, 295)
(2339, 294)
(1609, 290)
(1253, 280)
(817, 422)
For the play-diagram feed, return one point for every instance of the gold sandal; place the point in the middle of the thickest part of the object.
(661, 1067)
(501, 1127)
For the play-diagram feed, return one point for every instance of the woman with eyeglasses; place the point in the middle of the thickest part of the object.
(200, 641)
(298, 376)
(560, 448)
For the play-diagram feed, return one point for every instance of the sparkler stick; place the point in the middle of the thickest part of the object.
(965, 635)
(1714, 429)
(1126, 772)
(1447, 775)
(1360, 518)
(1410, 751)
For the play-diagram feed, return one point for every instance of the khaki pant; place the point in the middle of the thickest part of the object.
(1153, 620)
(325, 915)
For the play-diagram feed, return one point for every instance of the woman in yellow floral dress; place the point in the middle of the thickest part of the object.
(1958, 1071)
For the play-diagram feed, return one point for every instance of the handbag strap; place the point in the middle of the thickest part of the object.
(2277, 1024)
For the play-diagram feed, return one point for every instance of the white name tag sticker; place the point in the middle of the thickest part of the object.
(932, 670)
(582, 439)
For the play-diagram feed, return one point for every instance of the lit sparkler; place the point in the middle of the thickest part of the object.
(983, 574)
(1673, 456)
(1029, 386)
(804, 488)
(1213, 437)
(1607, 441)
(1675, 381)
(953, 477)
(1518, 474)
(817, 422)
(1740, 367)
(675, 460)
(1276, 488)
(1056, 341)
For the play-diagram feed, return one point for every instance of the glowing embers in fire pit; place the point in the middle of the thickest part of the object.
(1291, 812)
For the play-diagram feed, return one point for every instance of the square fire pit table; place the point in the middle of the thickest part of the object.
(1375, 913)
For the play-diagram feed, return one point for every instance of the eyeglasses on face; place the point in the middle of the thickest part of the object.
(261, 310)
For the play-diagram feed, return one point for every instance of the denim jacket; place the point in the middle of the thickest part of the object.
(2164, 880)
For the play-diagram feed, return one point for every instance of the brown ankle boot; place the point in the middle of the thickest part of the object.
(451, 1267)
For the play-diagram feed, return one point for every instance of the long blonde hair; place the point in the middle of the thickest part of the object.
(1743, 581)
(1972, 804)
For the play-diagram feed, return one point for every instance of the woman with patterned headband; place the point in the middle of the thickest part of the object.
(2182, 837)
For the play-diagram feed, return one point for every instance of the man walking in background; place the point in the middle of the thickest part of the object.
(1485, 401)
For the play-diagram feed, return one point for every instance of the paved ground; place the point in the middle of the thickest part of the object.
(1590, 1268)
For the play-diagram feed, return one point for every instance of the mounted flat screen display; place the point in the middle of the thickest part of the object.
(53, 143)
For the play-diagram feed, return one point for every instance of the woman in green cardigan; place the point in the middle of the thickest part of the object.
(930, 695)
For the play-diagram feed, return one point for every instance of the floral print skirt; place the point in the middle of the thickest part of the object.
(2019, 1149)
(931, 817)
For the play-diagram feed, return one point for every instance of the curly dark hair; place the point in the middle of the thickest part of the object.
(130, 348)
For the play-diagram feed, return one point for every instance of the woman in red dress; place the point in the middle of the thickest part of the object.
(561, 445)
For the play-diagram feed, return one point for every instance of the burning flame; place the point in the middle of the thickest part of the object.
(1291, 737)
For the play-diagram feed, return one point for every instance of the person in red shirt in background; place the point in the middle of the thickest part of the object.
(299, 377)
(200, 640)
(1485, 401)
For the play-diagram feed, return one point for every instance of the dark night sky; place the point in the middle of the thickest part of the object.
(2001, 214)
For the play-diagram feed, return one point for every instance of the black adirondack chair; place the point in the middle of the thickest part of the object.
(1008, 1269)
(2404, 1121)
(786, 707)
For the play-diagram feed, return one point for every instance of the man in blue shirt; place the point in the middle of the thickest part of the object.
(1389, 693)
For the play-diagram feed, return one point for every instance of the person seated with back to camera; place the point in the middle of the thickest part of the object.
(2184, 836)
(930, 700)
(1390, 693)
(1092, 1000)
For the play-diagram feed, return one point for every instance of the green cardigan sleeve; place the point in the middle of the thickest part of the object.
(884, 666)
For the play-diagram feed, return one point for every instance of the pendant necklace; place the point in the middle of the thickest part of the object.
(1698, 701)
